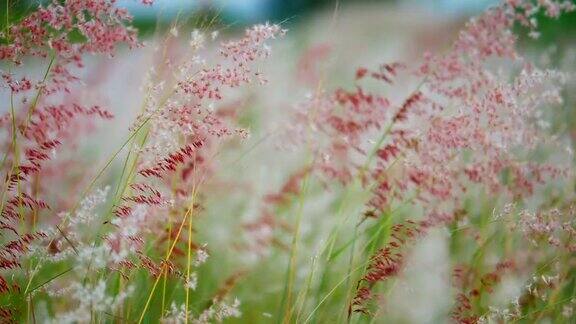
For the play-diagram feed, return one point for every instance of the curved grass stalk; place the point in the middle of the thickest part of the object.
(189, 253)
(188, 213)
(294, 252)
(331, 292)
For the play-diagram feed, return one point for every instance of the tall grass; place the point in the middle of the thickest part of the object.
(435, 188)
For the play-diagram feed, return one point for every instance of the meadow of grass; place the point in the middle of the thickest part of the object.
(362, 166)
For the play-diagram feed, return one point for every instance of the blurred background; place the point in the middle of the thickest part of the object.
(243, 12)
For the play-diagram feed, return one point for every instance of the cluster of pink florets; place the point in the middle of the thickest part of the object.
(65, 31)
(458, 129)
(44, 113)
